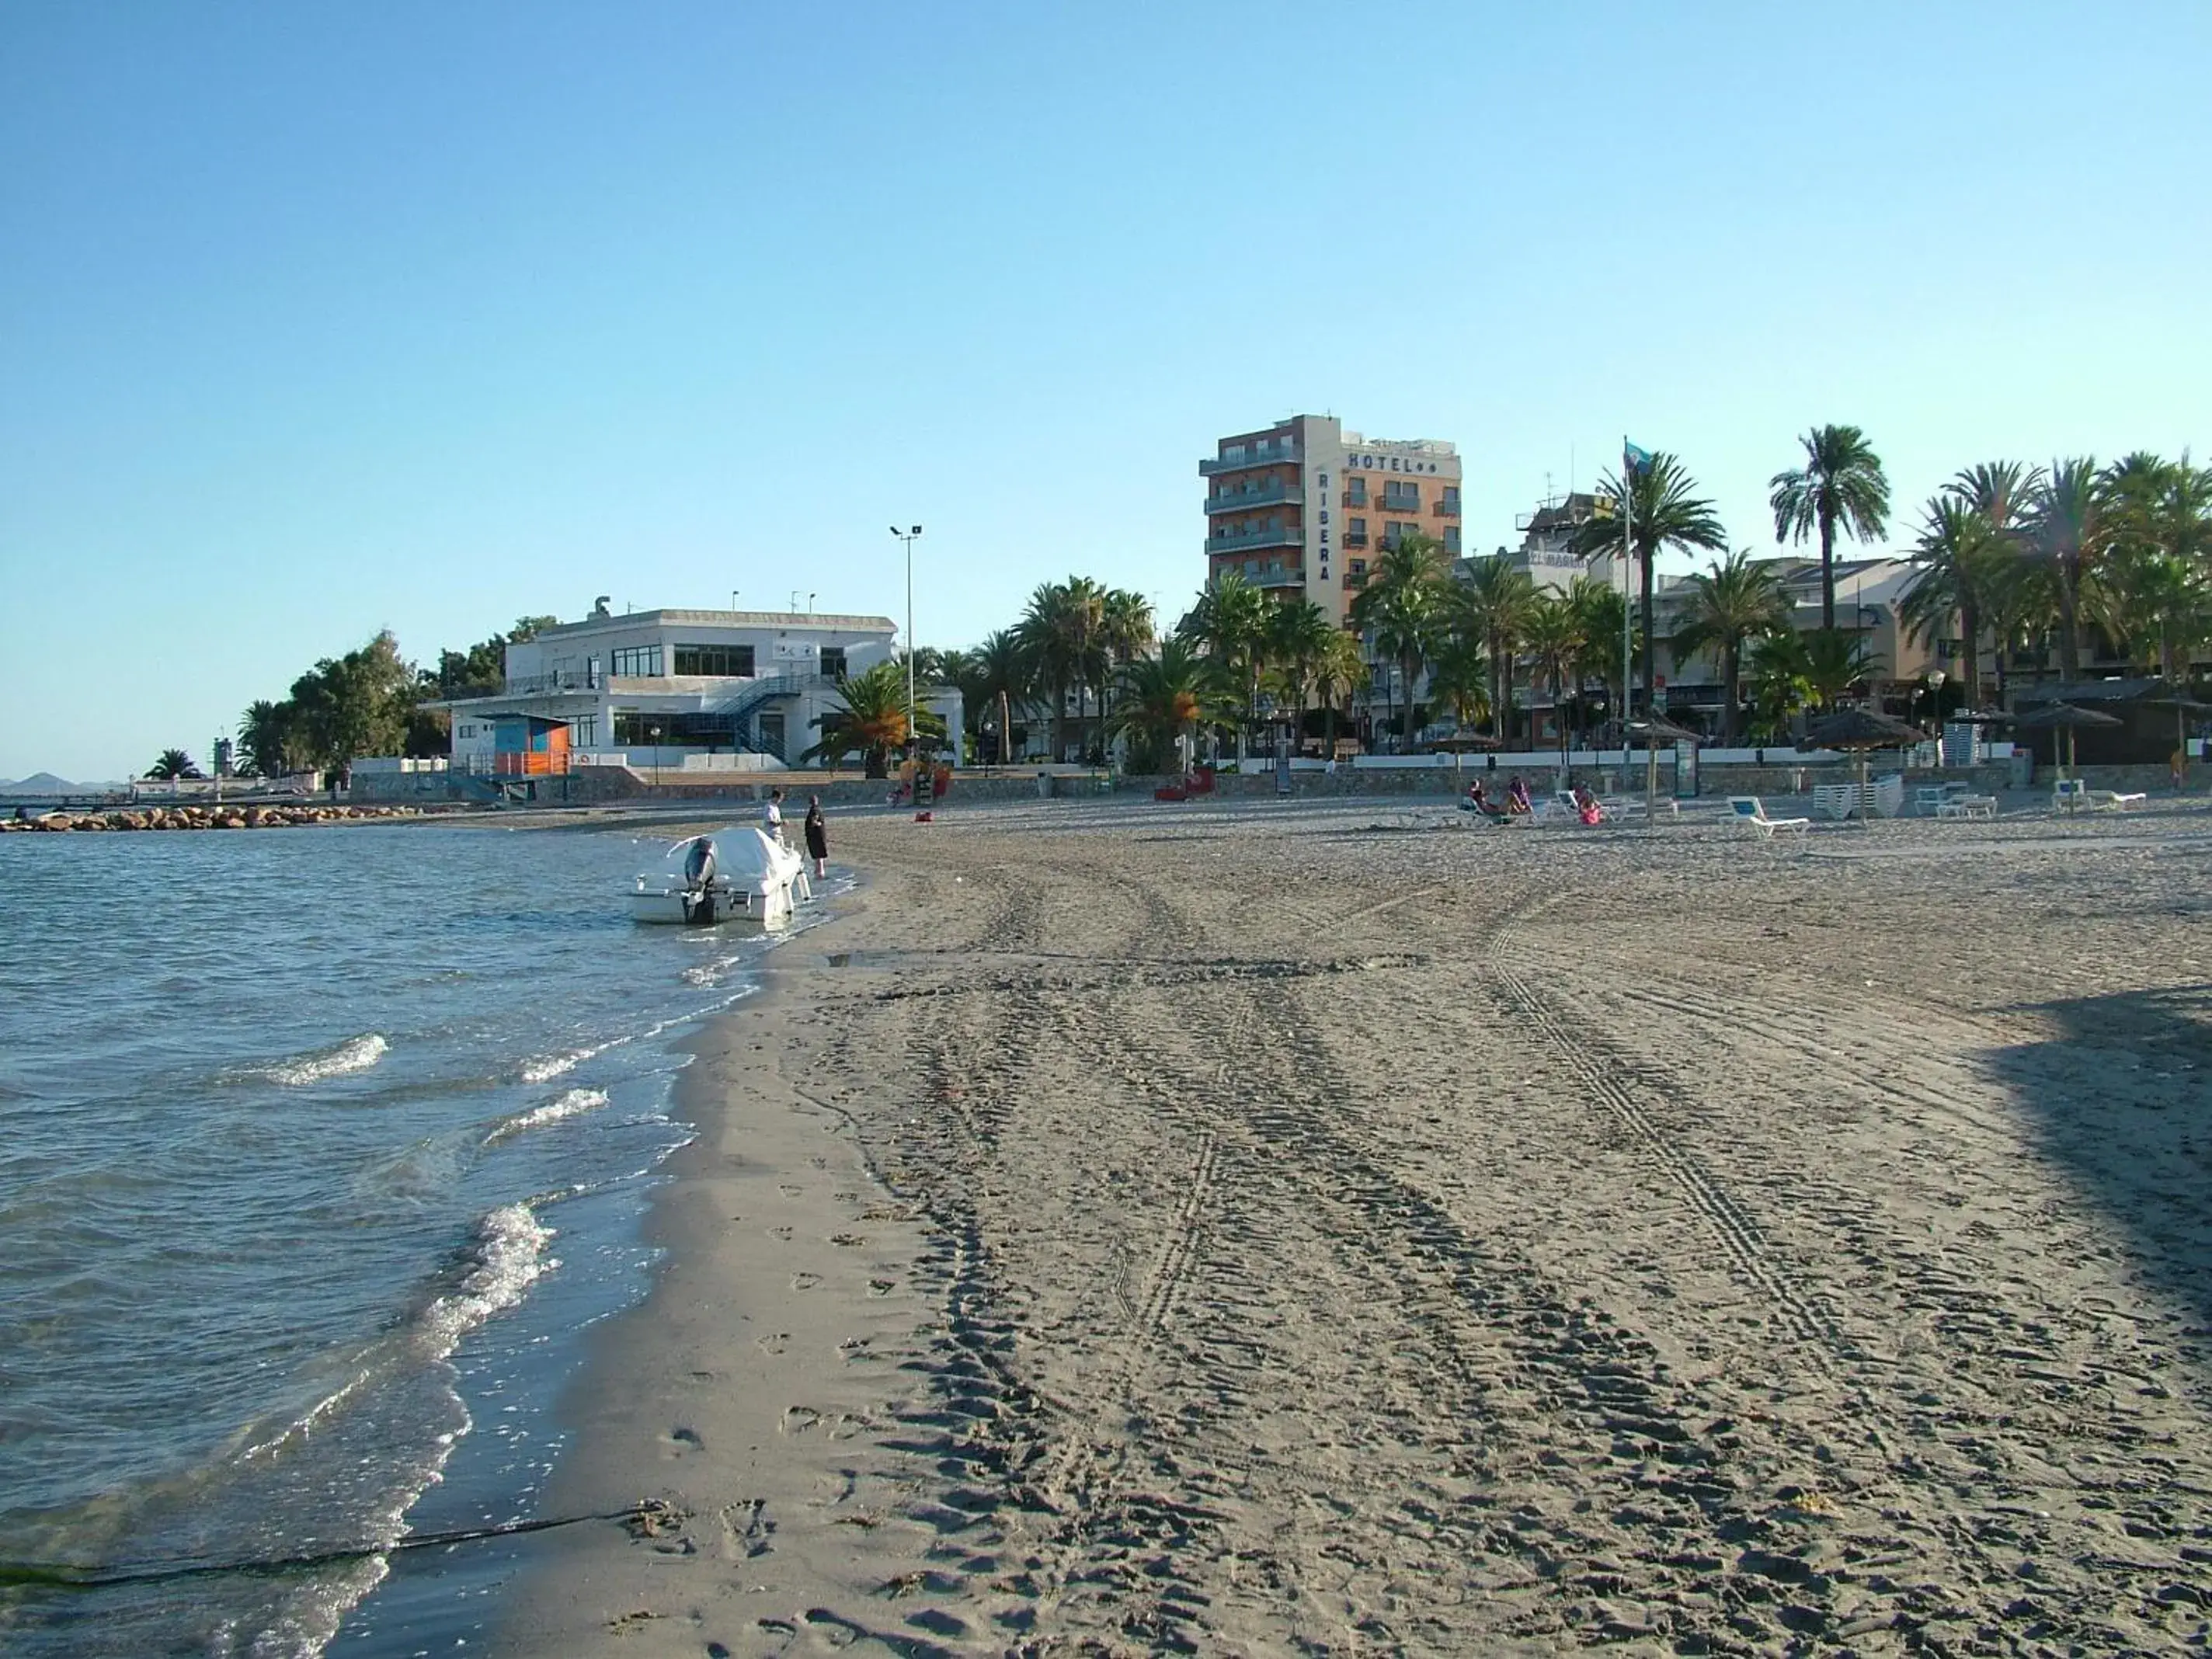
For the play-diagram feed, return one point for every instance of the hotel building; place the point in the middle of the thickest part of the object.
(1302, 508)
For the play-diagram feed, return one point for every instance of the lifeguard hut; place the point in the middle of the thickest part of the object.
(529, 747)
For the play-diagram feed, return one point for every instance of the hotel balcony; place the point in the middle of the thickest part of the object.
(1275, 493)
(1355, 539)
(1447, 509)
(1280, 579)
(1401, 505)
(1274, 457)
(1247, 541)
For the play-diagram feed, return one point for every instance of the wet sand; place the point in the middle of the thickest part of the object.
(1339, 1228)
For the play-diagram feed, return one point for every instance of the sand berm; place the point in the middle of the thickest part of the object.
(1334, 1229)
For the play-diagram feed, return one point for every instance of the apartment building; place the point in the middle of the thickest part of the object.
(1302, 508)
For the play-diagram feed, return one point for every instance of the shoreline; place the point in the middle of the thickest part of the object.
(742, 1403)
(1326, 1225)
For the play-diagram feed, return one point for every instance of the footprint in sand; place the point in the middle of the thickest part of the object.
(774, 1343)
(789, 1190)
(781, 1235)
(882, 1286)
(681, 1442)
(849, 1241)
(805, 1281)
(797, 1420)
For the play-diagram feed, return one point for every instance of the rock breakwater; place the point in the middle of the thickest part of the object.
(241, 816)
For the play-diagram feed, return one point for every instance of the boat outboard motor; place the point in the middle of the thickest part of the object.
(699, 882)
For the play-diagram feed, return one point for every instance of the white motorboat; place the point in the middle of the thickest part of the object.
(735, 874)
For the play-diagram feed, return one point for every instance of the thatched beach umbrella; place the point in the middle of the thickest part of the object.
(1659, 730)
(2184, 706)
(1864, 729)
(2063, 717)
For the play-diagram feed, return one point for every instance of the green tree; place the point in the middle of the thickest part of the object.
(1339, 671)
(1667, 514)
(1841, 483)
(1959, 557)
(1554, 639)
(1402, 610)
(1605, 616)
(1126, 631)
(357, 704)
(1001, 675)
(1162, 700)
(1732, 601)
(2069, 529)
(174, 764)
(1490, 608)
(269, 735)
(1299, 633)
(1459, 679)
(1230, 622)
(872, 723)
(1060, 631)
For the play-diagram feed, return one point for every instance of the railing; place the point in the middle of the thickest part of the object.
(1246, 540)
(1402, 503)
(1446, 509)
(1280, 578)
(759, 691)
(1355, 539)
(535, 685)
(1273, 493)
(1356, 498)
(1270, 458)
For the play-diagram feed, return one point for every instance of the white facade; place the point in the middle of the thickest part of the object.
(653, 686)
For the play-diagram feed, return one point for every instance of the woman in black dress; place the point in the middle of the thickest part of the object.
(817, 836)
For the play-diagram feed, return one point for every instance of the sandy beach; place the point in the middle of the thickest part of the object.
(1338, 1228)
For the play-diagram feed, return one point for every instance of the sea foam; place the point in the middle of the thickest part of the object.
(572, 1103)
(355, 1054)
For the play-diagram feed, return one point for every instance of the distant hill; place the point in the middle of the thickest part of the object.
(41, 783)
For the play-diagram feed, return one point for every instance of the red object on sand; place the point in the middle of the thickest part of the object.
(924, 817)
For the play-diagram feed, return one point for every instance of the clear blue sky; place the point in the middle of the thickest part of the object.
(316, 319)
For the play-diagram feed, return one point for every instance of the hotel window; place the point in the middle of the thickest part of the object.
(1232, 452)
(632, 727)
(1355, 493)
(715, 661)
(583, 731)
(1451, 498)
(833, 661)
(635, 662)
(1400, 497)
(1451, 539)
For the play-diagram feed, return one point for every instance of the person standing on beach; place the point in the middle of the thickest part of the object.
(817, 836)
(772, 816)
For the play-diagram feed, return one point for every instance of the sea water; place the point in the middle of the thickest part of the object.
(318, 1151)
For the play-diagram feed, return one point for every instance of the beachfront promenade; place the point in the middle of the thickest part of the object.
(1324, 1226)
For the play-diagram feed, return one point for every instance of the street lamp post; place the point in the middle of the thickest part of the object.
(908, 538)
(1936, 679)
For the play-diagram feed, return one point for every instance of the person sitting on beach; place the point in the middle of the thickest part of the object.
(1586, 806)
(1517, 795)
(1478, 800)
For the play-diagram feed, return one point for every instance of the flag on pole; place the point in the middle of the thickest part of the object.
(1633, 460)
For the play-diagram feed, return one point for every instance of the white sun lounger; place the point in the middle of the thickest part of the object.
(1749, 809)
(1967, 806)
(2111, 800)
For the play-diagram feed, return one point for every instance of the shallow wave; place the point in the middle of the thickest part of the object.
(508, 1258)
(572, 1103)
(355, 1054)
(544, 1068)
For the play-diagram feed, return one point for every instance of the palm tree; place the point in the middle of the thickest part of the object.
(1732, 601)
(1835, 661)
(1840, 483)
(1459, 679)
(1959, 555)
(268, 734)
(1402, 608)
(1060, 630)
(1818, 666)
(1667, 514)
(1781, 681)
(1554, 639)
(1339, 671)
(1000, 672)
(1298, 632)
(1126, 632)
(2068, 530)
(1604, 613)
(1164, 697)
(1491, 608)
(873, 722)
(1230, 621)
(174, 764)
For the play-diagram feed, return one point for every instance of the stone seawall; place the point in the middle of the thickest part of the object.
(204, 817)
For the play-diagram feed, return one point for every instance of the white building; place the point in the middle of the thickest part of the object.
(649, 688)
